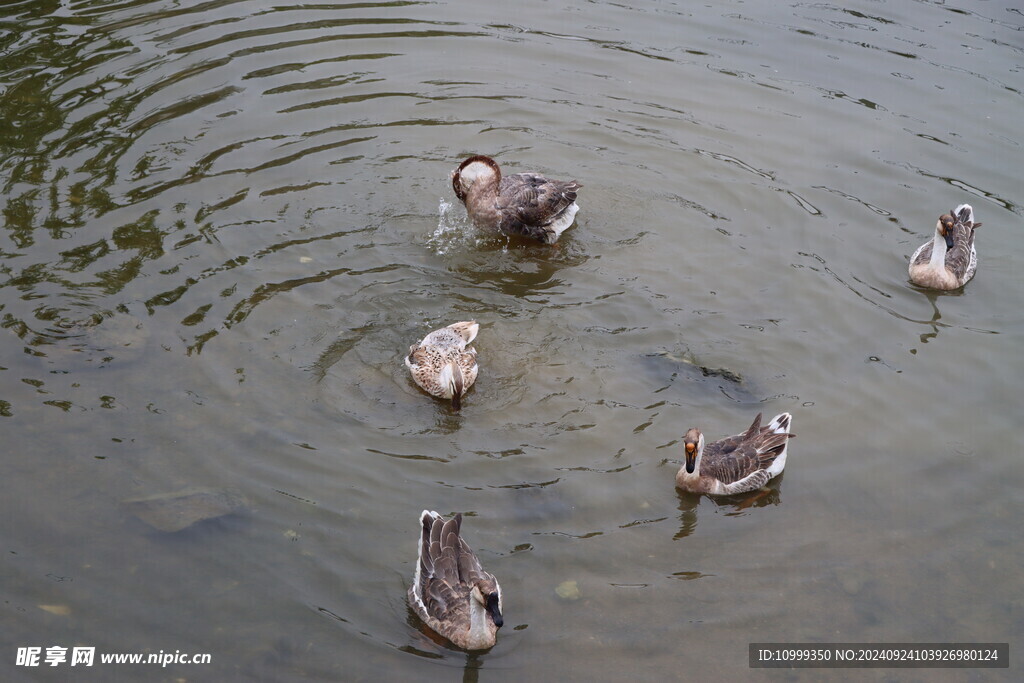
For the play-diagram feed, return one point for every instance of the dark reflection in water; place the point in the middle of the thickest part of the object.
(431, 646)
(474, 664)
(934, 322)
(428, 644)
(516, 266)
(730, 506)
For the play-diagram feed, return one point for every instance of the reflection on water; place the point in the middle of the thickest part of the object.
(225, 223)
(730, 506)
(933, 323)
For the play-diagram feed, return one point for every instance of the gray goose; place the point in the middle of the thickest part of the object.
(735, 464)
(948, 260)
(451, 592)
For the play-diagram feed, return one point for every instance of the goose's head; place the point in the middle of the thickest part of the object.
(944, 229)
(488, 594)
(472, 170)
(693, 442)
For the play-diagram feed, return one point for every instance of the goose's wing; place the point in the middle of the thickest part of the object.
(473, 574)
(452, 561)
(530, 199)
(958, 259)
(440, 589)
(744, 459)
(470, 569)
(730, 443)
(467, 362)
(923, 253)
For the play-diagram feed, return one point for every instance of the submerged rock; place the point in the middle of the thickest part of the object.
(568, 590)
(669, 366)
(59, 610)
(688, 358)
(181, 509)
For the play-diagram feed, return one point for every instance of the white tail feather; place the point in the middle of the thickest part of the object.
(472, 329)
(564, 220)
(970, 212)
(780, 424)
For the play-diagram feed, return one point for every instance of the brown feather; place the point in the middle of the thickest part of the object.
(442, 592)
(525, 204)
(742, 459)
(959, 257)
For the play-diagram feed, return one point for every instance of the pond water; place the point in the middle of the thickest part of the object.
(226, 221)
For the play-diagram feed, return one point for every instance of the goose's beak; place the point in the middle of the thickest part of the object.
(494, 610)
(691, 457)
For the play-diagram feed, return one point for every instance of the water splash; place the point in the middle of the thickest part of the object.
(453, 229)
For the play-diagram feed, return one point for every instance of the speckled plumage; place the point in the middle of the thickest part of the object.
(948, 260)
(521, 204)
(442, 364)
(735, 464)
(451, 592)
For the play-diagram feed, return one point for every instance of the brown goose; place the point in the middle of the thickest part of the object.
(948, 260)
(442, 364)
(521, 204)
(735, 464)
(450, 591)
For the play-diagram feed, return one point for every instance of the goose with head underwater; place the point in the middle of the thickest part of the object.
(525, 204)
(443, 364)
(735, 464)
(451, 592)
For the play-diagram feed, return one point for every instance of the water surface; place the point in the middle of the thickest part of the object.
(226, 221)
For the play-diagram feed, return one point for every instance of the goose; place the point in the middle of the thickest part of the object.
(948, 260)
(442, 364)
(521, 204)
(450, 591)
(735, 464)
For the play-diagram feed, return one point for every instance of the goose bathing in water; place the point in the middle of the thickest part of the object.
(521, 204)
(450, 591)
(948, 260)
(735, 464)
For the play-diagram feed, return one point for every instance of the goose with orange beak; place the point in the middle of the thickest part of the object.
(735, 464)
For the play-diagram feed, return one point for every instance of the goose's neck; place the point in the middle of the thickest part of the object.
(484, 187)
(479, 626)
(938, 252)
